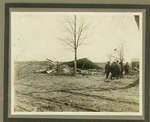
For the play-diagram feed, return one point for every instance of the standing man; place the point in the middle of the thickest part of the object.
(121, 70)
(126, 68)
(107, 69)
(112, 70)
(118, 69)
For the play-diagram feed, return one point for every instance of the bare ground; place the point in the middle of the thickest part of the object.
(37, 92)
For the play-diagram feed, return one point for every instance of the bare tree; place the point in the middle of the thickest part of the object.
(75, 35)
(120, 53)
(117, 53)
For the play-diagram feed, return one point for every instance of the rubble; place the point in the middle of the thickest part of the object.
(84, 67)
(83, 64)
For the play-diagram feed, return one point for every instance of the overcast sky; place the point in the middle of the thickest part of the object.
(35, 36)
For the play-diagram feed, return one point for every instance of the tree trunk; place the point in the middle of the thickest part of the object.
(75, 47)
(75, 61)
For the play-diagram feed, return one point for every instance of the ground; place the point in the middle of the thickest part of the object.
(39, 92)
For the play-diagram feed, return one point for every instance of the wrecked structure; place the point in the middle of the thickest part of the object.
(84, 66)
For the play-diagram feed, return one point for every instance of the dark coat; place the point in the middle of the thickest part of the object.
(107, 68)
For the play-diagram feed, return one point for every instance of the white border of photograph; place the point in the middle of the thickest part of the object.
(81, 115)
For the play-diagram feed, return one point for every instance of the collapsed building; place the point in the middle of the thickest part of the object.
(84, 66)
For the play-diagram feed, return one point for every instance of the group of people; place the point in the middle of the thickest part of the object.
(116, 69)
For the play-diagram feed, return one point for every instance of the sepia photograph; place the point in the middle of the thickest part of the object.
(76, 62)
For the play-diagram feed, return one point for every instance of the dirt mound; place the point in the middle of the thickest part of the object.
(84, 63)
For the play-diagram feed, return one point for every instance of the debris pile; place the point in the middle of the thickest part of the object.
(84, 64)
(84, 67)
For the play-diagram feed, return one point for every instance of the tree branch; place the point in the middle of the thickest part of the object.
(67, 41)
